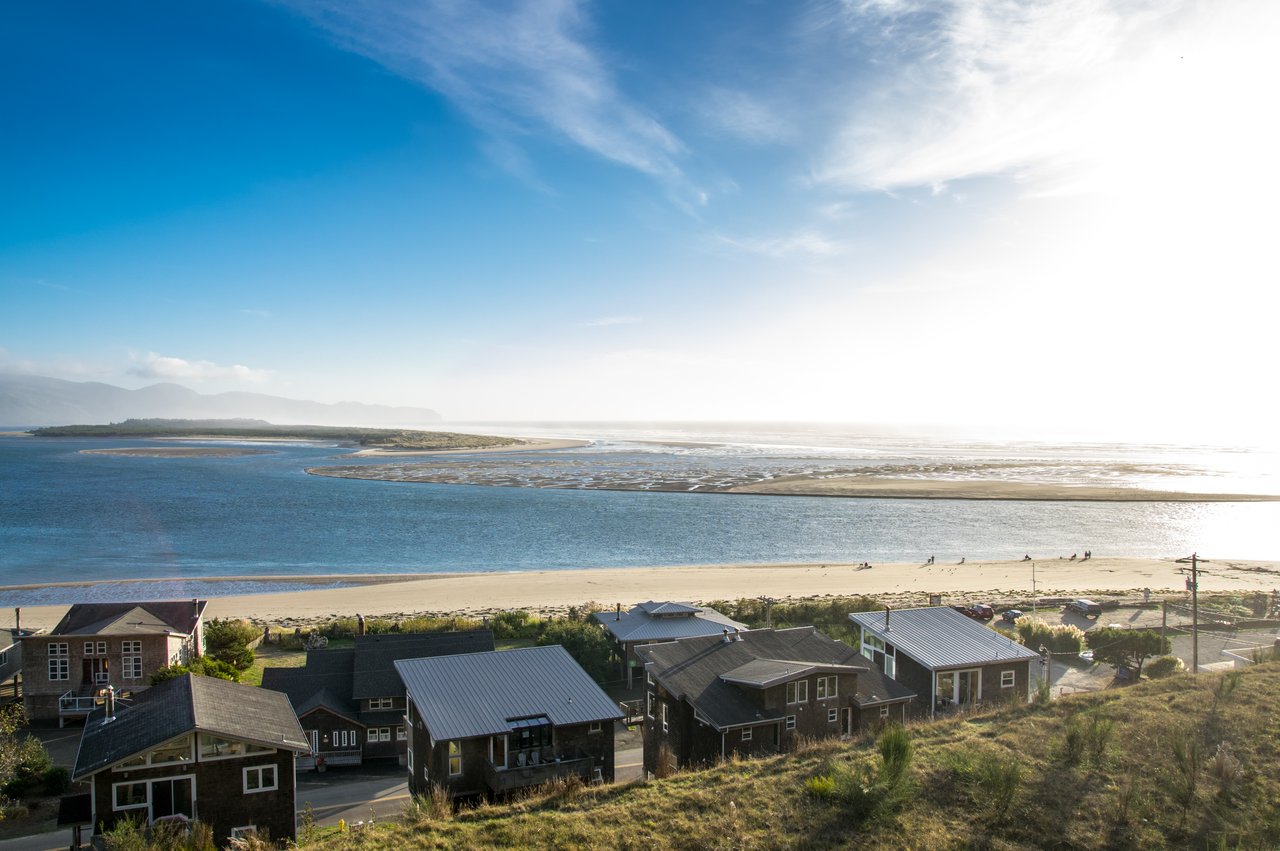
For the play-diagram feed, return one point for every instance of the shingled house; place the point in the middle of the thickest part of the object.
(651, 622)
(351, 702)
(947, 659)
(489, 723)
(95, 645)
(754, 692)
(194, 748)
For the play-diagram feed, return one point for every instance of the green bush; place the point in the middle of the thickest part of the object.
(586, 642)
(201, 666)
(228, 641)
(1165, 666)
(56, 780)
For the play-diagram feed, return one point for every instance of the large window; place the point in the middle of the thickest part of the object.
(131, 646)
(455, 758)
(127, 796)
(59, 664)
(826, 687)
(379, 734)
(259, 778)
(798, 691)
(212, 747)
(174, 750)
(131, 667)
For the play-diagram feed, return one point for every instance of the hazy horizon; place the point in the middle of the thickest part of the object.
(1013, 218)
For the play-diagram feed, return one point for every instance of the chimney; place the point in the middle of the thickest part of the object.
(727, 639)
(737, 634)
(617, 615)
(886, 618)
(111, 703)
(359, 624)
(17, 621)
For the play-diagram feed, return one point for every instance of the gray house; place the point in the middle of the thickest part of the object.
(650, 622)
(490, 723)
(947, 659)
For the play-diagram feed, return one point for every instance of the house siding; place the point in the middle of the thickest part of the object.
(329, 727)
(40, 694)
(919, 679)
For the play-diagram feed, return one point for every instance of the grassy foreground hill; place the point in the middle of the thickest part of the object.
(1187, 762)
(379, 438)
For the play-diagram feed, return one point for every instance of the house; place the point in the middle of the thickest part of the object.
(650, 622)
(96, 645)
(194, 748)
(946, 658)
(490, 723)
(750, 693)
(351, 701)
(10, 657)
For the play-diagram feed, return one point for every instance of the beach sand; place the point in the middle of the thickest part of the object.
(554, 590)
(879, 488)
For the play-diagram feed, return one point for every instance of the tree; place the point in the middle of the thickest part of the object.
(23, 759)
(1125, 648)
(228, 641)
(586, 642)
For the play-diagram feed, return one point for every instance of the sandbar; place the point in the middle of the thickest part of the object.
(524, 445)
(868, 487)
(552, 591)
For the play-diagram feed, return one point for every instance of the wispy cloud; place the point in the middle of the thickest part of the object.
(805, 243)
(1038, 89)
(152, 365)
(516, 68)
(744, 115)
(609, 321)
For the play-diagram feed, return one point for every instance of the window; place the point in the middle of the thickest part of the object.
(59, 665)
(259, 778)
(4, 657)
(408, 760)
(746, 734)
(130, 646)
(651, 700)
(884, 712)
(126, 796)
(595, 728)
(826, 687)
(455, 758)
(664, 717)
(382, 703)
(384, 734)
(372, 735)
(400, 736)
(791, 722)
(132, 667)
(798, 691)
(648, 676)
(833, 715)
(1006, 679)
(176, 750)
(95, 648)
(212, 747)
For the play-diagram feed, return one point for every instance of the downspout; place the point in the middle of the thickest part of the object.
(933, 693)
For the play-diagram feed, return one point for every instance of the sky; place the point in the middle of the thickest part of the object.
(1049, 214)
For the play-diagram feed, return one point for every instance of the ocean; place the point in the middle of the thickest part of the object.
(67, 516)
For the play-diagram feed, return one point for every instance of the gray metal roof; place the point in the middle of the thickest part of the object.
(682, 621)
(184, 705)
(695, 669)
(940, 637)
(478, 694)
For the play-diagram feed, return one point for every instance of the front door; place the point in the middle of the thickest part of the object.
(171, 798)
(95, 671)
(846, 721)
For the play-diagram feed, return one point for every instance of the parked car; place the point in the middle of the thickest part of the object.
(1011, 615)
(982, 612)
(1088, 608)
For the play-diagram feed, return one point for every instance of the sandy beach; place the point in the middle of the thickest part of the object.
(878, 488)
(553, 591)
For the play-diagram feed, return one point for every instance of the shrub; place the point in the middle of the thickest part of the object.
(587, 643)
(201, 666)
(1073, 741)
(997, 780)
(821, 786)
(228, 641)
(56, 780)
(1165, 666)
(1059, 638)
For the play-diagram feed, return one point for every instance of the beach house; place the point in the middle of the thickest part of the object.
(194, 748)
(650, 622)
(66, 670)
(947, 659)
(755, 692)
(492, 723)
(351, 702)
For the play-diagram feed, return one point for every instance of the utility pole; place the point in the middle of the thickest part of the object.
(768, 611)
(1164, 619)
(1195, 616)
(1033, 588)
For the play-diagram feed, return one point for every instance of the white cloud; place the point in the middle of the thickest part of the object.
(804, 244)
(156, 366)
(743, 115)
(514, 69)
(608, 321)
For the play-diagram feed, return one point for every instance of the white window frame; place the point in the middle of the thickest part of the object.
(595, 727)
(133, 646)
(261, 772)
(665, 719)
(746, 734)
(833, 715)
(59, 668)
(1008, 679)
(400, 734)
(828, 687)
(884, 711)
(384, 734)
(371, 735)
(650, 700)
(797, 692)
(453, 751)
(382, 703)
(115, 796)
(59, 648)
(409, 759)
(791, 722)
(95, 648)
(131, 667)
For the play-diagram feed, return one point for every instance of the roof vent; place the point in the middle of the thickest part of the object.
(886, 618)
(737, 634)
(727, 639)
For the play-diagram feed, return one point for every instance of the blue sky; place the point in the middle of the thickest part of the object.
(961, 211)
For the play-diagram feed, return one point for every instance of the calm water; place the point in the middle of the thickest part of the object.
(67, 516)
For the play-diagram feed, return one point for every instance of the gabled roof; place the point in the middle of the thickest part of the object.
(479, 694)
(145, 618)
(652, 621)
(708, 672)
(875, 688)
(375, 672)
(184, 705)
(939, 637)
(325, 681)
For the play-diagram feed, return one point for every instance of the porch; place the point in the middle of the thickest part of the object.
(535, 774)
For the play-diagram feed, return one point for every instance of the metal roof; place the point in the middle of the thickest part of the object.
(183, 705)
(479, 694)
(940, 637)
(641, 624)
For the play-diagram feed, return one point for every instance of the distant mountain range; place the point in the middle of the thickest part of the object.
(32, 400)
